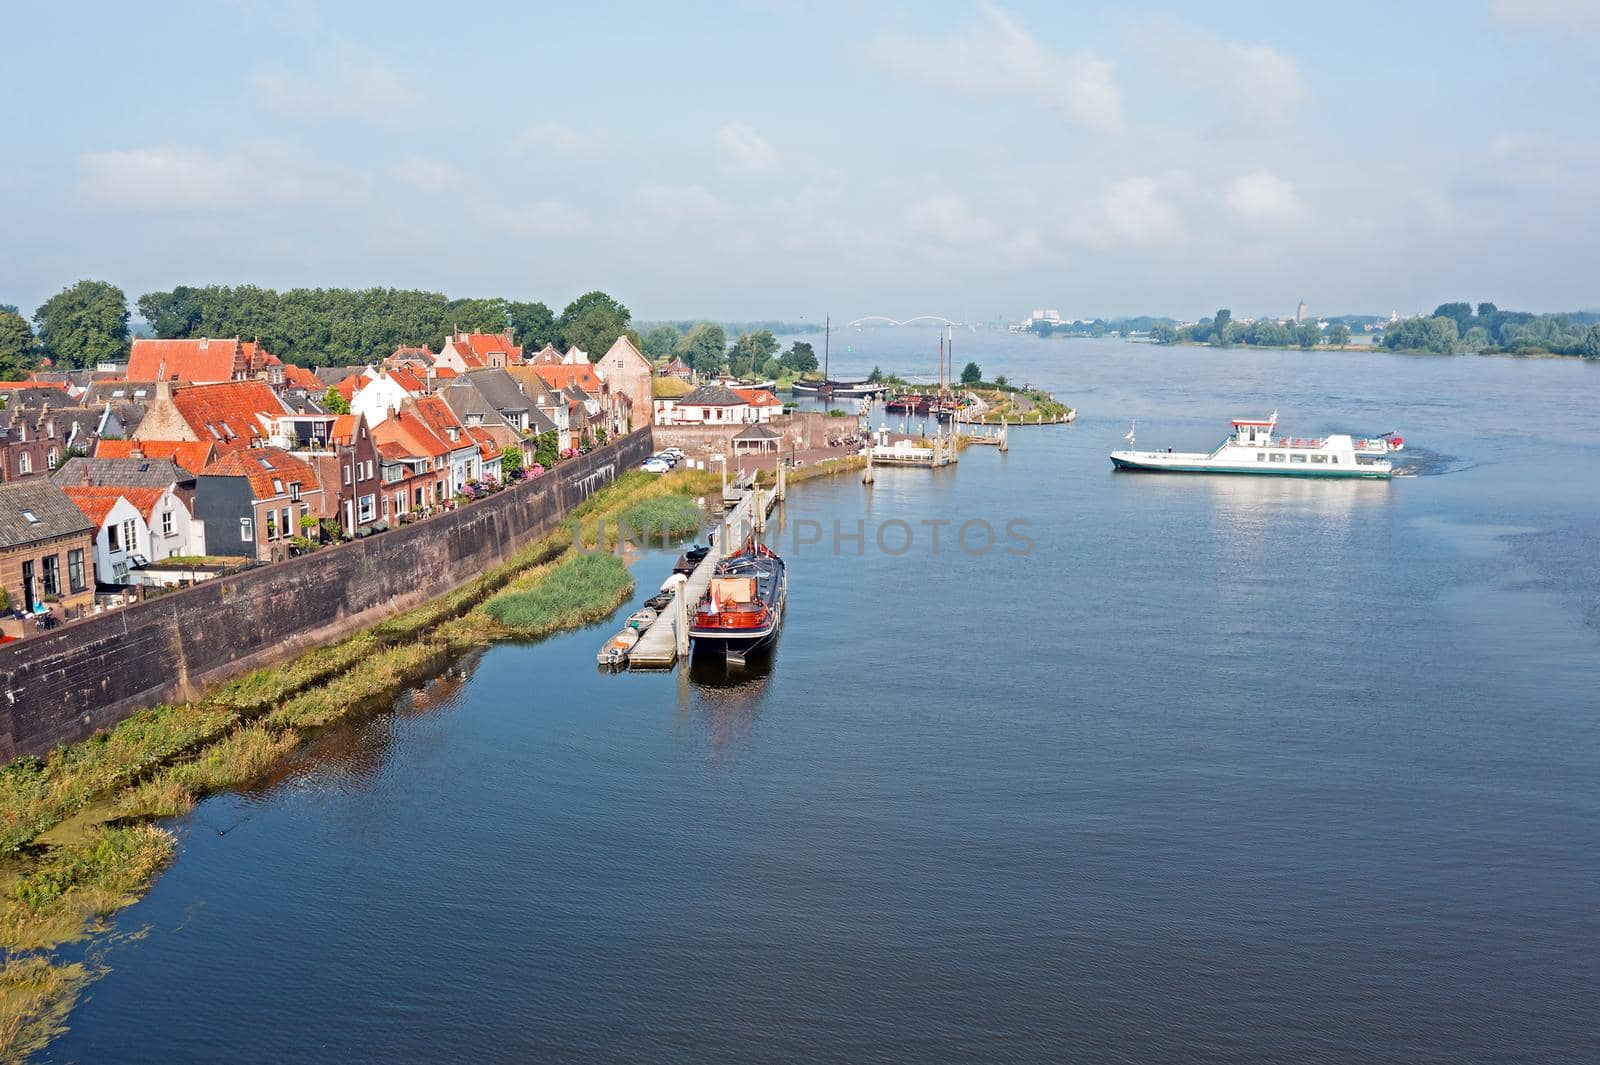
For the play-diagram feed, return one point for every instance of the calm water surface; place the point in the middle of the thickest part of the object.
(1223, 770)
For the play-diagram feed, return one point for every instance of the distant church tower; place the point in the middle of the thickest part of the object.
(1300, 312)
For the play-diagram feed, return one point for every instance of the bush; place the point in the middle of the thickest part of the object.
(674, 515)
(582, 589)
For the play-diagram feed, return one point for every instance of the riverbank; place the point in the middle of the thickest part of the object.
(78, 828)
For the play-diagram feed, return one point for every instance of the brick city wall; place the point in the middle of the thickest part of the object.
(62, 685)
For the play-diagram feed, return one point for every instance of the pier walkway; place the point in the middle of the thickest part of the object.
(658, 645)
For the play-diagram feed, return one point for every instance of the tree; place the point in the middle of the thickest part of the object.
(704, 347)
(661, 342)
(1163, 333)
(1338, 335)
(594, 321)
(16, 342)
(1591, 343)
(547, 448)
(1219, 327)
(1307, 335)
(84, 325)
(334, 402)
(510, 462)
(1477, 338)
(751, 350)
(1460, 313)
(171, 314)
(800, 358)
(971, 374)
(1487, 310)
(875, 376)
(532, 324)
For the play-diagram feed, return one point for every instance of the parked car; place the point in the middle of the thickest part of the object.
(675, 453)
(655, 465)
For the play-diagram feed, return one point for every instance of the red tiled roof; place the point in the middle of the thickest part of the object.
(444, 371)
(344, 429)
(199, 361)
(262, 466)
(300, 377)
(407, 380)
(229, 414)
(482, 345)
(759, 397)
(191, 455)
(407, 435)
(8, 385)
(96, 501)
(564, 374)
(438, 416)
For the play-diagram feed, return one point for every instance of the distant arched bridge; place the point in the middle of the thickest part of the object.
(909, 321)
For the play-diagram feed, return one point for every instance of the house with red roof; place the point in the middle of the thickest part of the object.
(303, 380)
(478, 351)
(123, 517)
(358, 487)
(204, 361)
(251, 501)
(427, 457)
(232, 416)
(190, 455)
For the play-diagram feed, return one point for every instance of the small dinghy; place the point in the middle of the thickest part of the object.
(615, 651)
(640, 620)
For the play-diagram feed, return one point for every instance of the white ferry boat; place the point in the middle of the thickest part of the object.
(1255, 447)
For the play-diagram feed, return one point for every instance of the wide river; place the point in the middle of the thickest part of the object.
(1216, 770)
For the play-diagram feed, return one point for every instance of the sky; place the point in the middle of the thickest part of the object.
(787, 159)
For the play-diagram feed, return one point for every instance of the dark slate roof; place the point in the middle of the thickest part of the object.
(53, 513)
(119, 392)
(332, 375)
(121, 473)
(711, 396)
(757, 431)
(466, 401)
(539, 422)
(301, 403)
(500, 389)
(41, 398)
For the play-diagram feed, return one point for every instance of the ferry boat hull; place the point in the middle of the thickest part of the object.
(1254, 449)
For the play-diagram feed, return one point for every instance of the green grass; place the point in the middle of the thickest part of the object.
(581, 589)
(35, 998)
(72, 884)
(673, 516)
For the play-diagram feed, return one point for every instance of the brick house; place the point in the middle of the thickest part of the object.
(630, 374)
(360, 484)
(203, 362)
(478, 351)
(46, 548)
(251, 502)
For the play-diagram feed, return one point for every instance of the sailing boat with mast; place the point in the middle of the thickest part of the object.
(828, 387)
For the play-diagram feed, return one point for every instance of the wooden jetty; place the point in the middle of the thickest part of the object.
(667, 639)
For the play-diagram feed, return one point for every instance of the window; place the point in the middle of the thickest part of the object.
(294, 491)
(120, 572)
(1277, 456)
(1261, 456)
(1334, 459)
(366, 509)
(52, 575)
(277, 487)
(286, 522)
(347, 475)
(166, 523)
(1319, 458)
(113, 538)
(54, 458)
(24, 463)
(272, 525)
(247, 533)
(130, 539)
(1297, 458)
(369, 469)
(75, 576)
(30, 516)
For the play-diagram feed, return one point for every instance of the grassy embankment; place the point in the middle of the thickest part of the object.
(1019, 408)
(77, 840)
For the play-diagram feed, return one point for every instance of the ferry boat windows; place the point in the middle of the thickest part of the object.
(1334, 459)
(1319, 458)
(1261, 456)
(1297, 458)
(1277, 456)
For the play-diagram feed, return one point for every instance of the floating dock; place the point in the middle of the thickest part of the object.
(659, 645)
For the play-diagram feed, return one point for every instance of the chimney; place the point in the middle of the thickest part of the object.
(136, 451)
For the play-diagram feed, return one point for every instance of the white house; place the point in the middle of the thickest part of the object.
(378, 397)
(135, 526)
(716, 405)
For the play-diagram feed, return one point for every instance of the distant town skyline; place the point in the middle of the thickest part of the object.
(776, 160)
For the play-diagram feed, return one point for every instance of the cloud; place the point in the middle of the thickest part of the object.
(162, 178)
(543, 218)
(341, 81)
(1258, 85)
(744, 151)
(1264, 197)
(995, 55)
(550, 138)
(678, 201)
(1547, 14)
(1137, 210)
(430, 175)
(946, 219)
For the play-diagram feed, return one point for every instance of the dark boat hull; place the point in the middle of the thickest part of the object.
(742, 641)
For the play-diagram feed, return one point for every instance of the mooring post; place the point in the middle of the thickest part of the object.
(680, 613)
(783, 480)
(866, 478)
(1005, 439)
(759, 516)
(724, 459)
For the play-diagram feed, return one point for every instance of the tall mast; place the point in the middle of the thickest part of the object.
(827, 336)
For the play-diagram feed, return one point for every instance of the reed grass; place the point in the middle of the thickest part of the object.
(668, 515)
(53, 900)
(35, 998)
(581, 589)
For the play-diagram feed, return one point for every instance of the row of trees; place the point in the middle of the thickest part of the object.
(704, 347)
(1455, 327)
(88, 322)
(1222, 331)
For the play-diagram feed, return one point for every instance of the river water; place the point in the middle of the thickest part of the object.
(1219, 770)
